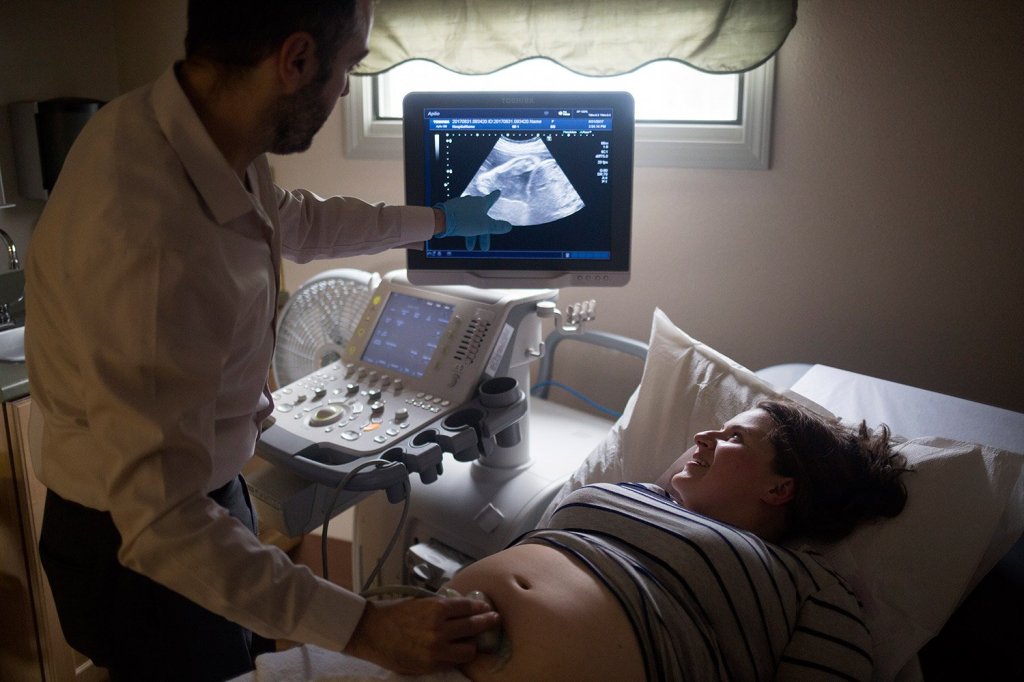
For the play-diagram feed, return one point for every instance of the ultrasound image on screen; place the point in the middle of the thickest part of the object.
(557, 180)
(563, 163)
(534, 188)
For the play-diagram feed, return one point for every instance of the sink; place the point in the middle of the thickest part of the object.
(12, 344)
(12, 305)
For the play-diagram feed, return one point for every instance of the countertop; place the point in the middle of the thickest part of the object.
(13, 381)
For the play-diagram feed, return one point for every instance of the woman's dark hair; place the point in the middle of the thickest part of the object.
(843, 476)
(237, 34)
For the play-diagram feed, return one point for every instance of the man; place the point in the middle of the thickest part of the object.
(151, 287)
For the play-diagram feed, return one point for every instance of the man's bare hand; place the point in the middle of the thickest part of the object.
(416, 636)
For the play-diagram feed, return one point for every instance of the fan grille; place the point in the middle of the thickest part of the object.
(317, 322)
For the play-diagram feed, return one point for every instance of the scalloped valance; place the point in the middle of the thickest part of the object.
(592, 37)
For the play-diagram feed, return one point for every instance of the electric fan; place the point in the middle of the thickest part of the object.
(318, 320)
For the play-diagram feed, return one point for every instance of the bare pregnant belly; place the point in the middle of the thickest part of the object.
(562, 623)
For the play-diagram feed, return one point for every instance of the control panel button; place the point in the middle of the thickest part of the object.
(326, 415)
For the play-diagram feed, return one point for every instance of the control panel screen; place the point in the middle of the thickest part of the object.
(407, 334)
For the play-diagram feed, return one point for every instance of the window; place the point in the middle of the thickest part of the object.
(685, 118)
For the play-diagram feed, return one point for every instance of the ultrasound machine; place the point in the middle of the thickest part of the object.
(428, 400)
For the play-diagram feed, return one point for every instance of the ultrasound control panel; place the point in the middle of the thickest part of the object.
(417, 355)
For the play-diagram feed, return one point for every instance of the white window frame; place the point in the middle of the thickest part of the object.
(743, 146)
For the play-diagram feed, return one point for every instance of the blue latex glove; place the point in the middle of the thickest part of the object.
(467, 217)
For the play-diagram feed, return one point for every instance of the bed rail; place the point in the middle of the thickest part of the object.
(623, 344)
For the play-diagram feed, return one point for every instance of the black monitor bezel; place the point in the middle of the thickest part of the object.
(525, 272)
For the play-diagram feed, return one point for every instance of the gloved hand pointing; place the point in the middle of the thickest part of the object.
(467, 217)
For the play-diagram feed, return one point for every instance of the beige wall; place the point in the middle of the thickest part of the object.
(150, 35)
(886, 238)
(49, 48)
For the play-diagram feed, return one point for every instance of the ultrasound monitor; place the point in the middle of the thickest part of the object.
(564, 164)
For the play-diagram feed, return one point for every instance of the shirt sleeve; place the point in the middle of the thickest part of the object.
(830, 640)
(313, 227)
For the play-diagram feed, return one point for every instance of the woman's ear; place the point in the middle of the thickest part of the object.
(780, 493)
(296, 61)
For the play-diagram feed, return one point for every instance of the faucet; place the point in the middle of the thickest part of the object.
(12, 251)
(14, 264)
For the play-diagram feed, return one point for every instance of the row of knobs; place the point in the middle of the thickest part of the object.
(372, 376)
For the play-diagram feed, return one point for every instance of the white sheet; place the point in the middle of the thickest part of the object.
(911, 412)
(308, 663)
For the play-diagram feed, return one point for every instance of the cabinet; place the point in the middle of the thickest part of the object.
(32, 646)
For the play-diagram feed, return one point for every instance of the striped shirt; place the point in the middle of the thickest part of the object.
(708, 601)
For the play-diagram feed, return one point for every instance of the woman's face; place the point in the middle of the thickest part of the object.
(728, 471)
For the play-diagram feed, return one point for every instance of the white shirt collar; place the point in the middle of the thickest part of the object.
(209, 171)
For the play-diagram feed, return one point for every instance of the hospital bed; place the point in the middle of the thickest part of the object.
(942, 585)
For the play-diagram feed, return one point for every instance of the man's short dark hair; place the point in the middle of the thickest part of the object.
(238, 34)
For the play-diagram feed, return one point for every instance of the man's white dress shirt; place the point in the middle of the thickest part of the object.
(151, 292)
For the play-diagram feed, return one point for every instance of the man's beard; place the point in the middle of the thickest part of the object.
(299, 117)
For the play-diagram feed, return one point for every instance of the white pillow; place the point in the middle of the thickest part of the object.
(965, 504)
(686, 387)
(965, 509)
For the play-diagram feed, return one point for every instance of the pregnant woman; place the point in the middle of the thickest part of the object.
(685, 578)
